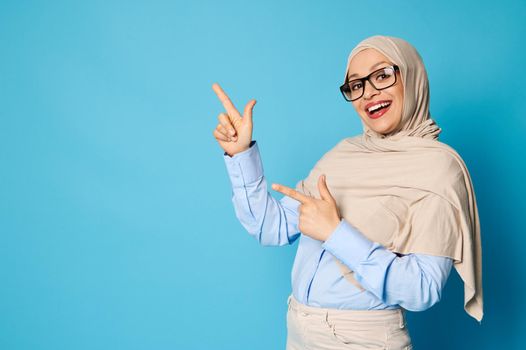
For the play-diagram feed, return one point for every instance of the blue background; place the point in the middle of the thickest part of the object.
(116, 223)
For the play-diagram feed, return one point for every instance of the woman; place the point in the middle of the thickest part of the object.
(382, 217)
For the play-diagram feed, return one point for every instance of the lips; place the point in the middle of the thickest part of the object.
(377, 108)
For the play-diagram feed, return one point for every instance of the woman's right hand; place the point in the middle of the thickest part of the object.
(233, 133)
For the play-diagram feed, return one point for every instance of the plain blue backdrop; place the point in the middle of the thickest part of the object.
(116, 223)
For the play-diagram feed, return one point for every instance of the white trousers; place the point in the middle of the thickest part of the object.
(313, 328)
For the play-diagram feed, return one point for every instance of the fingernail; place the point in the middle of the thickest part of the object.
(232, 132)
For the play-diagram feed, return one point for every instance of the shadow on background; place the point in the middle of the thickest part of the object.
(489, 152)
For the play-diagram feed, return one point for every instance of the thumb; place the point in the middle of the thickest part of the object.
(324, 191)
(247, 114)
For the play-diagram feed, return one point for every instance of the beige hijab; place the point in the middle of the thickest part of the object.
(406, 190)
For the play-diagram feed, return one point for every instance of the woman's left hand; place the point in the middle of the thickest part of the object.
(318, 218)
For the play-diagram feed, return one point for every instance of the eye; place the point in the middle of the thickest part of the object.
(356, 85)
(381, 76)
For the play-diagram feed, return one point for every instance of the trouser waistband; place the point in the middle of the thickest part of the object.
(362, 316)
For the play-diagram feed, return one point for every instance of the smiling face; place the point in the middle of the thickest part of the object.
(388, 118)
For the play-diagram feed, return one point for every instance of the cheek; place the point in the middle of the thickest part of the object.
(400, 96)
(359, 111)
(398, 113)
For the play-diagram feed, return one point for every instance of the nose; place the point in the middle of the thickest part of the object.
(369, 90)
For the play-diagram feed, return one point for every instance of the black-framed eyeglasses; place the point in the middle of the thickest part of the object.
(380, 79)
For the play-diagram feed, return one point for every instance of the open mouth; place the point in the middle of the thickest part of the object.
(377, 109)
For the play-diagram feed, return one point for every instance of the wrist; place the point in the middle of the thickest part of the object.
(237, 152)
(241, 150)
(334, 225)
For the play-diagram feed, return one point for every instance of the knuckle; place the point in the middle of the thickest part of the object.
(224, 131)
(227, 125)
(237, 123)
(219, 135)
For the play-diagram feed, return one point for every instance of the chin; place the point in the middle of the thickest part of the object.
(384, 125)
(382, 131)
(380, 127)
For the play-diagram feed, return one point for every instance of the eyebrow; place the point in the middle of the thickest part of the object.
(373, 66)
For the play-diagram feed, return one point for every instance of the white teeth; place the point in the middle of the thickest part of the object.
(375, 107)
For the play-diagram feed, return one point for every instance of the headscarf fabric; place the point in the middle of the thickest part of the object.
(406, 190)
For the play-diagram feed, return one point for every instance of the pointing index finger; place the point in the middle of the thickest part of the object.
(291, 193)
(225, 100)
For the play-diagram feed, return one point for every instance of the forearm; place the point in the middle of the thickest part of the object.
(413, 281)
(270, 221)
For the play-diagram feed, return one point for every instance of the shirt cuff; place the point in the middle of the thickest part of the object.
(244, 167)
(348, 244)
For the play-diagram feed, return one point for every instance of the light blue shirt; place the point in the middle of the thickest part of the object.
(412, 281)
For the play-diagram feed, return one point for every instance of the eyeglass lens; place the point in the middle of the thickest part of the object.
(380, 79)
